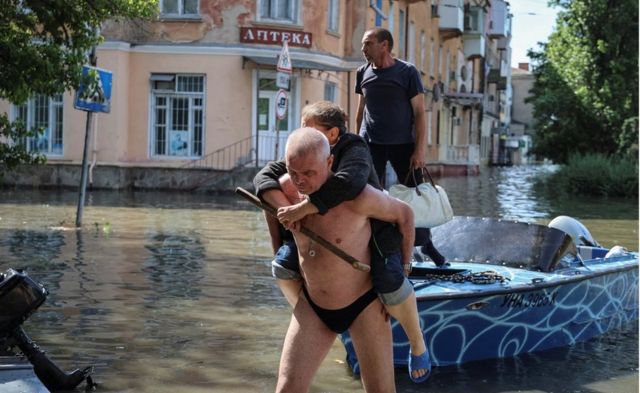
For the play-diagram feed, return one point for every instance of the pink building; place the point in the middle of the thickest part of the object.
(198, 86)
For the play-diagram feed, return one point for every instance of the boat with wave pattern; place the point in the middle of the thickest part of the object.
(514, 287)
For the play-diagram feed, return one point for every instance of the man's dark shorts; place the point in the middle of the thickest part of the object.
(285, 264)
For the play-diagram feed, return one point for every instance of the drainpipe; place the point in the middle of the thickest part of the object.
(406, 34)
(349, 97)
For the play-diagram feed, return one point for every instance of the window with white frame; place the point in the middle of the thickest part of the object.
(43, 114)
(278, 10)
(402, 35)
(411, 43)
(179, 8)
(333, 16)
(432, 59)
(390, 16)
(177, 108)
(429, 128)
(330, 91)
(440, 63)
(423, 50)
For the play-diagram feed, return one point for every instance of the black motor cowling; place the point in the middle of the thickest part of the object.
(20, 296)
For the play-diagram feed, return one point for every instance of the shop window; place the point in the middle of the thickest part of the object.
(44, 115)
(278, 10)
(177, 108)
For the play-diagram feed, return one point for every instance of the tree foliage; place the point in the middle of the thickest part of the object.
(585, 95)
(43, 46)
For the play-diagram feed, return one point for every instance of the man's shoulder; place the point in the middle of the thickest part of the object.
(405, 65)
(368, 197)
(363, 67)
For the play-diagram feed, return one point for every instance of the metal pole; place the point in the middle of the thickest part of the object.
(85, 161)
(275, 157)
(257, 115)
(83, 176)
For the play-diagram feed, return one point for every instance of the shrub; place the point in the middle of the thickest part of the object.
(596, 175)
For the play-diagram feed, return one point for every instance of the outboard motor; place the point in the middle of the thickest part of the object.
(574, 228)
(20, 296)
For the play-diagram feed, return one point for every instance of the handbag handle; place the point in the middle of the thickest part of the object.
(423, 169)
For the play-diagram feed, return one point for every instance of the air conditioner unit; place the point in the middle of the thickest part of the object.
(464, 80)
(463, 73)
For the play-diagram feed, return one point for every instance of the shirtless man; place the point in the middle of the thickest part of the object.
(336, 296)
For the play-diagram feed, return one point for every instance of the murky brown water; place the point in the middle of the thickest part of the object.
(171, 292)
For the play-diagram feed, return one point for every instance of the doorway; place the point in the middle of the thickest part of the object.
(270, 133)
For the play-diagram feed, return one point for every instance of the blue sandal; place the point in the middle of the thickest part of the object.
(417, 363)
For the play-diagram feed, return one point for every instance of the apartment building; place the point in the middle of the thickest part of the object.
(198, 87)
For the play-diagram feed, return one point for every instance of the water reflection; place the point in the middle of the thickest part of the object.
(175, 265)
(167, 292)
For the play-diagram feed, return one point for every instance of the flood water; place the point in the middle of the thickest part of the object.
(172, 292)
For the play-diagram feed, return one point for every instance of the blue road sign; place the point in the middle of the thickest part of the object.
(94, 94)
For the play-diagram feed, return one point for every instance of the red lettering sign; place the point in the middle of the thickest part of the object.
(258, 35)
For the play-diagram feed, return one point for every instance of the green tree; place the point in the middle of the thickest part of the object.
(43, 46)
(585, 95)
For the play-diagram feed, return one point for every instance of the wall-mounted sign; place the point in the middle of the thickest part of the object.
(259, 35)
(281, 104)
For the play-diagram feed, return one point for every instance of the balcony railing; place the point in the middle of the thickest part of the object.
(461, 154)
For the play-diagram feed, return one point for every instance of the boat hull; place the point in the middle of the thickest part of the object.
(508, 320)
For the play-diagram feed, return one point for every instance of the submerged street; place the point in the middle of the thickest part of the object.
(167, 292)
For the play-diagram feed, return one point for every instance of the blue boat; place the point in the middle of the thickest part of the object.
(513, 287)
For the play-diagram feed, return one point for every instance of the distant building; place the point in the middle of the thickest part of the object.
(522, 113)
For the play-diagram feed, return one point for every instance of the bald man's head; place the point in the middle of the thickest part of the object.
(308, 158)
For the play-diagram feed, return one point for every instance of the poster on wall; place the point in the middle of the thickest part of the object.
(178, 143)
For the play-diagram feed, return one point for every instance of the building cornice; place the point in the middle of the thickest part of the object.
(232, 50)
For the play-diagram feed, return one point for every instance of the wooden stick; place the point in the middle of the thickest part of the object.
(305, 231)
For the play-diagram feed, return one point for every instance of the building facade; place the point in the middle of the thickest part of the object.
(198, 86)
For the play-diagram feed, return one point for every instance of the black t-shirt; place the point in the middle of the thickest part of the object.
(388, 115)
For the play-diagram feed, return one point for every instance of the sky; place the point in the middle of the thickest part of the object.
(533, 21)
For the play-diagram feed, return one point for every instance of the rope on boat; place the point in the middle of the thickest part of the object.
(486, 277)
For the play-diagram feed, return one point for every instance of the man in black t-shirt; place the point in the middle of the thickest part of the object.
(391, 117)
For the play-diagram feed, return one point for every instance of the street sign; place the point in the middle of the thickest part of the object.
(94, 93)
(284, 61)
(282, 80)
(281, 104)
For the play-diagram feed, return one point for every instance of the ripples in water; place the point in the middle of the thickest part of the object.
(167, 292)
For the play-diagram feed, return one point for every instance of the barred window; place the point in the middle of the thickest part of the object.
(279, 10)
(43, 115)
(179, 7)
(177, 115)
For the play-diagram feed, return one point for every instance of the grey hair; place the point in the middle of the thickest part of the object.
(305, 141)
